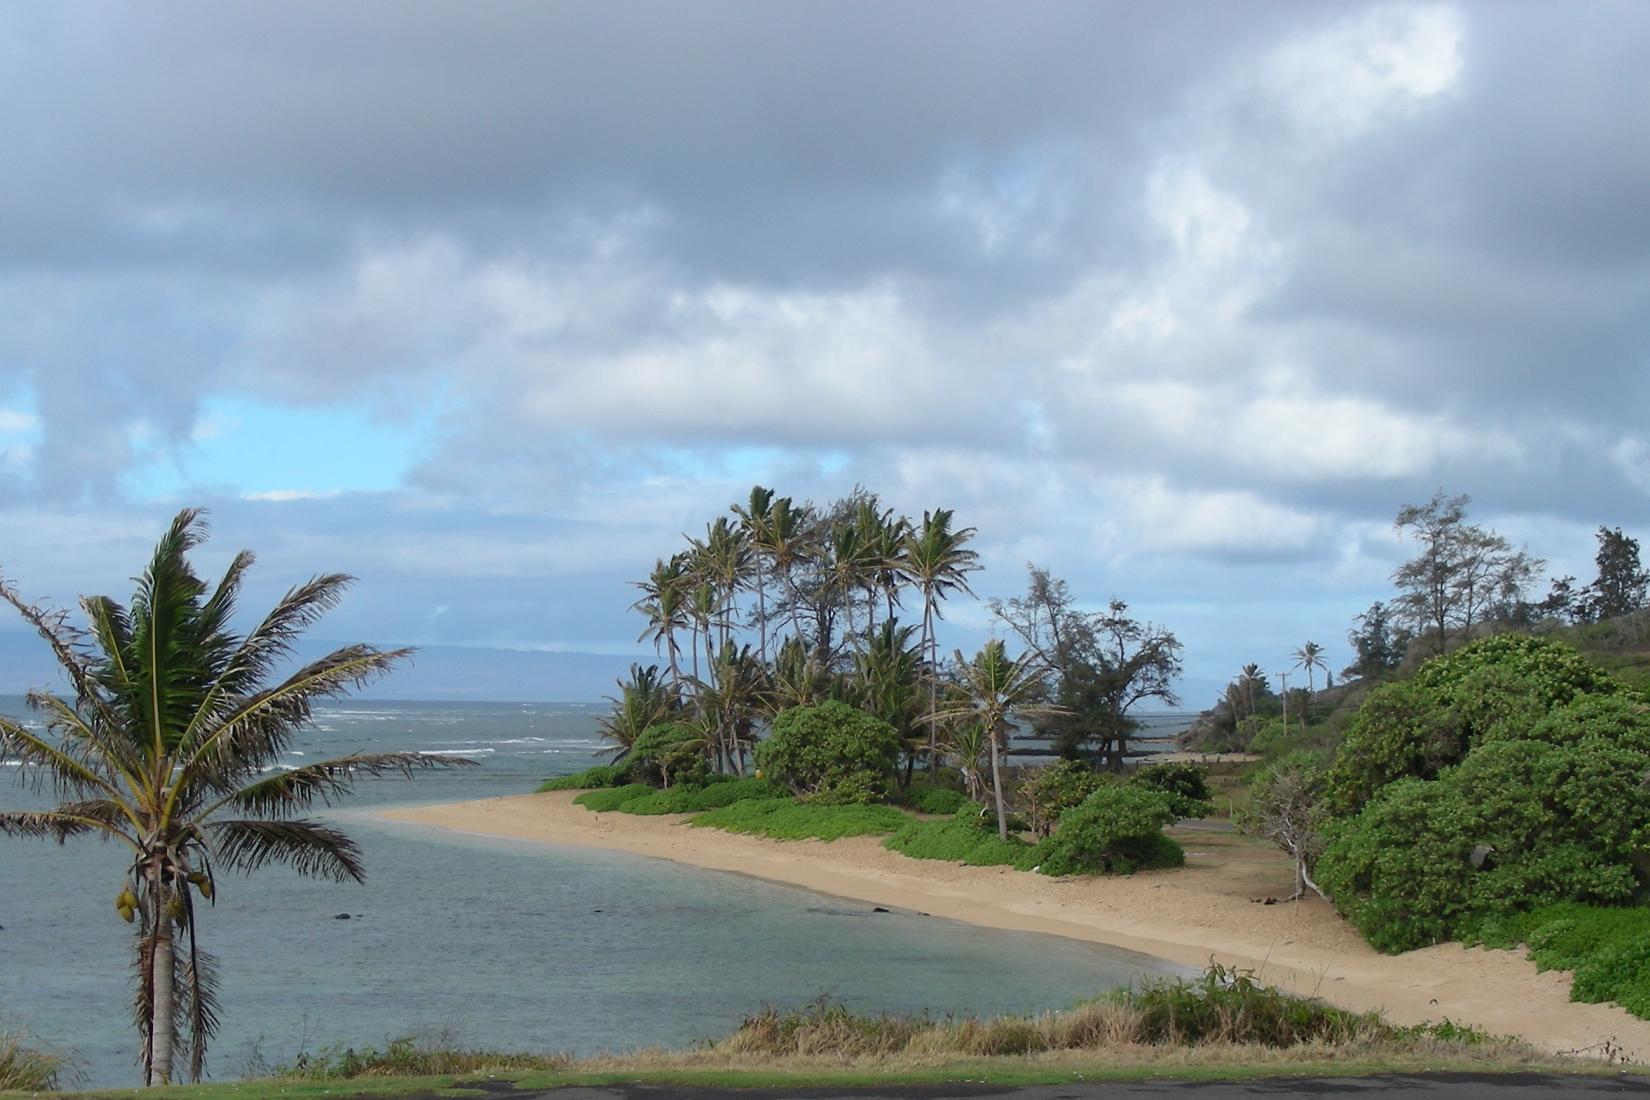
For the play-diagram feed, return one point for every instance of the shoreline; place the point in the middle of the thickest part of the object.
(1212, 909)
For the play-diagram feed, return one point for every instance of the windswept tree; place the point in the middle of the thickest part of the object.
(1377, 641)
(168, 744)
(1463, 574)
(1101, 665)
(1622, 583)
(934, 559)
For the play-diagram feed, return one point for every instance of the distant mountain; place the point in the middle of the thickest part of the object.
(434, 672)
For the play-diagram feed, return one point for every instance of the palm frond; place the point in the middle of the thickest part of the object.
(308, 847)
(69, 773)
(197, 975)
(67, 645)
(283, 793)
(252, 736)
(69, 819)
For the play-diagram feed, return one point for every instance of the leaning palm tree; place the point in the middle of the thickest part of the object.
(932, 558)
(170, 745)
(995, 690)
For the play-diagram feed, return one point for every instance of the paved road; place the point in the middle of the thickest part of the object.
(1443, 1086)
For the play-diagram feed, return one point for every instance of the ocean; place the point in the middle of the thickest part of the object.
(501, 944)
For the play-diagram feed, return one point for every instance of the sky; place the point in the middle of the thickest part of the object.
(488, 303)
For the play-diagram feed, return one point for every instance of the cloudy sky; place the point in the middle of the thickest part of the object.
(486, 303)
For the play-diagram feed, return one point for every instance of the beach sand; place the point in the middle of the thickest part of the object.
(1206, 910)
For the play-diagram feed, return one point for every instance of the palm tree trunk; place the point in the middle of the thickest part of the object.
(933, 687)
(762, 604)
(997, 787)
(162, 1037)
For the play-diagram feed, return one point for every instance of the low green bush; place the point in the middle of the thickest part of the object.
(957, 842)
(1116, 830)
(611, 798)
(602, 775)
(789, 819)
(668, 754)
(926, 798)
(1049, 792)
(1186, 785)
(831, 753)
(1607, 948)
(687, 800)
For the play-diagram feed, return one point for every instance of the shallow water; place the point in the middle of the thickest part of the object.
(498, 943)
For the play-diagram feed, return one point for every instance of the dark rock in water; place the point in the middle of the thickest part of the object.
(595, 910)
(341, 916)
(878, 909)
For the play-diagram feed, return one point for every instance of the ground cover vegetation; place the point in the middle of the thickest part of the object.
(1221, 1024)
(168, 744)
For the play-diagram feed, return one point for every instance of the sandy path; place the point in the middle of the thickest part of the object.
(1187, 916)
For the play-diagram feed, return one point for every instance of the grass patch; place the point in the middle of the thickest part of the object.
(689, 800)
(611, 798)
(410, 1058)
(788, 819)
(603, 775)
(28, 1069)
(960, 842)
(1607, 948)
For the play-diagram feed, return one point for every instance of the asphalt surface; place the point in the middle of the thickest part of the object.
(1442, 1086)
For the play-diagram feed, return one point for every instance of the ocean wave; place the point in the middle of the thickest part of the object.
(456, 752)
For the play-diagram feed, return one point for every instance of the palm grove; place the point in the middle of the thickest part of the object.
(781, 605)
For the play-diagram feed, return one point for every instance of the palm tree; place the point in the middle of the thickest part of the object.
(1251, 676)
(170, 746)
(722, 561)
(664, 602)
(787, 540)
(1308, 657)
(932, 558)
(964, 745)
(753, 525)
(853, 566)
(642, 701)
(888, 684)
(797, 678)
(730, 704)
(995, 690)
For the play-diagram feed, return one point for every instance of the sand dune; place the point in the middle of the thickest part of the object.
(1206, 910)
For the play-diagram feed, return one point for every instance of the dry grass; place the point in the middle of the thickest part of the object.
(29, 1069)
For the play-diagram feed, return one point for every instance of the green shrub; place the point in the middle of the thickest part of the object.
(933, 798)
(984, 818)
(687, 800)
(1502, 688)
(831, 753)
(1607, 947)
(1116, 830)
(602, 775)
(1548, 823)
(612, 798)
(957, 842)
(788, 819)
(1187, 786)
(669, 753)
(1049, 792)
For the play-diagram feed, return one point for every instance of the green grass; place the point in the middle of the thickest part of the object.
(1607, 948)
(689, 800)
(788, 819)
(611, 798)
(959, 842)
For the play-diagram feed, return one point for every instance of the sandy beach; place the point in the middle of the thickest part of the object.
(1214, 908)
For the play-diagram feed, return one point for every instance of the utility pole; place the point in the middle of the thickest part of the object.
(1283, 692)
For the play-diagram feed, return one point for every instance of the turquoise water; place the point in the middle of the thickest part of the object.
(495, 943)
